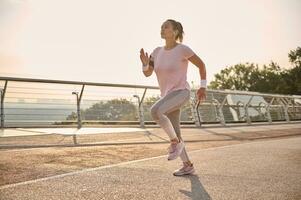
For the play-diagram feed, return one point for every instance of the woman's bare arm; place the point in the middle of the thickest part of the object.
(150, 69)
(201, 94)
(146, 61)
(197, 61)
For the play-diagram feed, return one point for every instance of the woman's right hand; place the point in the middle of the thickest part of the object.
(144, 57)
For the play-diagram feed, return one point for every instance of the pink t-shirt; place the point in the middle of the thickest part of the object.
(171, 66)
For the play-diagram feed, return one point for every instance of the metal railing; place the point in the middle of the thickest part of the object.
(27, 102)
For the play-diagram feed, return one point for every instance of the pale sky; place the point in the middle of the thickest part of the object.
(99, 41)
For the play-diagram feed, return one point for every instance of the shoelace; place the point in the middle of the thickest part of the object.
(184, 166)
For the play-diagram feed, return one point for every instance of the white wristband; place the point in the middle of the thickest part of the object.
(203, 83)
(145, 68)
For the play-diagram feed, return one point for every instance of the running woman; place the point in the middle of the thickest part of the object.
(170, 64)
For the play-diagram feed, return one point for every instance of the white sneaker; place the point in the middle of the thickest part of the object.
(186, 169)
(175, 149)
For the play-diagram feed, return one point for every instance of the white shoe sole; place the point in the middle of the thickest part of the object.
(184, 173)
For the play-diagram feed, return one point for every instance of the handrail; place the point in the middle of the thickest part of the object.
(226, 91)
(283, 111)
(75, 82)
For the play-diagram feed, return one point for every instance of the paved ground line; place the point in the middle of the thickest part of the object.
(118, 164)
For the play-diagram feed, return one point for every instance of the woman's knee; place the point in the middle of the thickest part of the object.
(155, 112)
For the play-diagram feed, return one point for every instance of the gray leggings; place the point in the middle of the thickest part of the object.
(167, 111)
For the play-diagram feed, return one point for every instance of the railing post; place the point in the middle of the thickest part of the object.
(285, 107)
(78, 101)
(198, 122)
(269, 112)
(223, 121)
(1, 109)
(286, 113)
(2, 94)
(194, 106)
(238, 105)
(247, 111)
(78, 117)
(140, 108)
(221, 115)
(220, 110)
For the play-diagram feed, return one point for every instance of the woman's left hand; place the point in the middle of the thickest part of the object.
(201, 94)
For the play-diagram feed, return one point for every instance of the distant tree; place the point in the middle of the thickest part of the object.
(295, 56)
(293, 76)
(147, 103)
(268, 79)
(115, 109)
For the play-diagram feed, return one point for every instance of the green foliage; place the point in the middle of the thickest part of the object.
(114, 109)
(267, 79)
(295, 56)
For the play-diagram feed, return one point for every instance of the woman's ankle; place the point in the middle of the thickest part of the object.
(188, 163)
(175, 140)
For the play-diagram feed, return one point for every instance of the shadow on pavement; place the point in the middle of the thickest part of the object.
(198, 192)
